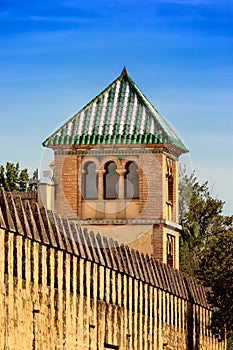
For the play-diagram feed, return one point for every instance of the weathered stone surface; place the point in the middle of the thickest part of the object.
(62, 288)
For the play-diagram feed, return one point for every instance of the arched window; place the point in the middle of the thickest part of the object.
(170, 188)
(131, 181)
(170, 249)
(90, 181)
(111, 179)
(170, 180)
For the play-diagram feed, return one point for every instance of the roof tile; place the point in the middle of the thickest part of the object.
(119, 114)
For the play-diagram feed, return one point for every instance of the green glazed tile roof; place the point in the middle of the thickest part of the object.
(120, 114)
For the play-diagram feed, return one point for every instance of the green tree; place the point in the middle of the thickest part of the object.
(23, 180)
(12, 178)
(33, 183)
(201, 216)
(2, 175)
(186, 184)
(206, 249)
(215, 270)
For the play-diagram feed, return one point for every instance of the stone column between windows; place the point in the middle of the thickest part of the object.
(82, 173)
(100, 174)
(121, 189)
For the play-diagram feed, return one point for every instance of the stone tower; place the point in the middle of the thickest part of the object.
(116, 170)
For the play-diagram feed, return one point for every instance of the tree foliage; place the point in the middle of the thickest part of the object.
(206, 248)
(215, 270)
(13, 179)
(201, 216)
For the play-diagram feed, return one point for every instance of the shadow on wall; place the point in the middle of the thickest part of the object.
(193, 334)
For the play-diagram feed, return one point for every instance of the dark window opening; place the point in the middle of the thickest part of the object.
(90, 181)
(170, 189)
(170, 250)
(131, 181)
(111, 181)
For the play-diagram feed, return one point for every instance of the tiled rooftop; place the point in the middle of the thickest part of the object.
(120, 114)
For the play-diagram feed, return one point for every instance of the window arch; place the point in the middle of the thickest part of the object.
(90, 181)
(131, 181)
(111, 179)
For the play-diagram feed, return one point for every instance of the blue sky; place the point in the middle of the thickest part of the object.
(57, 55)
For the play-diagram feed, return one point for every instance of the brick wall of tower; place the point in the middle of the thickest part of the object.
(67, 191)
(159, 243)
(152, 205)
(152, 184)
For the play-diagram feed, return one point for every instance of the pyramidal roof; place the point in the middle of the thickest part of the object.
(120, 114)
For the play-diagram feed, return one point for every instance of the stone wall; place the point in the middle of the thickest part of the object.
(64, 288)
